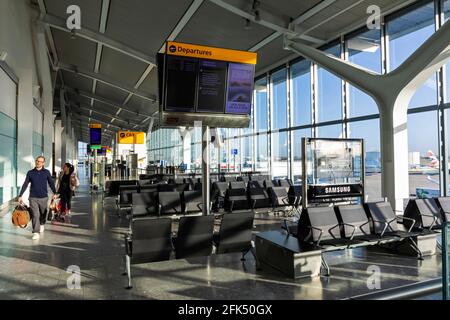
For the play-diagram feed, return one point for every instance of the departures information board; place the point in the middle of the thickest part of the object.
(206, 79)
(211, 84)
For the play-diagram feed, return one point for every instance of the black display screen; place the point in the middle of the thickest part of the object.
(211, 86)
(181, 73)
(95, 135)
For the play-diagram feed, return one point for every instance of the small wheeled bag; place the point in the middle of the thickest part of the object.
(21, 216)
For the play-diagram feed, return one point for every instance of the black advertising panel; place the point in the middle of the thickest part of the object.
(211, 86)
(240, 88)
(335, 190)
(181, 73)
(95, 136)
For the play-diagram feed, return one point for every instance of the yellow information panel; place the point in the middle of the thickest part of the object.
(95, 125)
(196, 51)
(131, 137)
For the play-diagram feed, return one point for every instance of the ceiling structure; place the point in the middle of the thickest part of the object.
(107, 68)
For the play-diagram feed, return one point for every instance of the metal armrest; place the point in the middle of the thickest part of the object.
(128, 244)
(410, 219)
(434, 220)
(329, 230)
(360, 227)
(354, 230)
(320, 235)
(386, 224)
(286, 226)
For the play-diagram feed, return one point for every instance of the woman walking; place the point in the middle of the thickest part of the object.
(66, 183)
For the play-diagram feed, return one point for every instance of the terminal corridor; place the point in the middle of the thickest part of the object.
(93, 241)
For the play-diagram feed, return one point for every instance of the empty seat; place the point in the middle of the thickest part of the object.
(425, 212)
(444, 204)
(198, 186)
(320, 226)
(236, 199)
(163, 187)
(194, 237)
(295, 195)
(144, 203)
(355, 222)
(269, 184)
(259, 178)
(284, 183)
(258, 198)
(192, 201)
(182, 187)
(243, 178)
(255, 184)
(229, 179)
(125, 195)
(144, 182)
(150, 240)
(191, 182)
(169, 203)
(238, 185)
(149, 188)
(218, 194)
(385, 220)
(235, 233)
(279, 199)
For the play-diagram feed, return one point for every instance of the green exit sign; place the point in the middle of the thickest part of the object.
(96, 146)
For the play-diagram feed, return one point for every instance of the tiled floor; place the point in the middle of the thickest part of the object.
(92, 242)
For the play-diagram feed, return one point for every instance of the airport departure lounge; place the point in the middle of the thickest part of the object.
(244, 151)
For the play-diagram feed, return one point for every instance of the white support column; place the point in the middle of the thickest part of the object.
(392, 92)
(47, 95)
(58, 145)
(25, 159)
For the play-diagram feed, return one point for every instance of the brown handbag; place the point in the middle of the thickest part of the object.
(20, 216)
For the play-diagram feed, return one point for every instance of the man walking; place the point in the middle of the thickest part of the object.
(39, 177)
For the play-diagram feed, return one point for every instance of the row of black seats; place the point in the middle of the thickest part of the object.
(238, 196)
(348, 226)
(429, 213)
(165, 203)
(125, 194)
(151, 239)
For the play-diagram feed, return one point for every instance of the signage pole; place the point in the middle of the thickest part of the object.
(205, 169)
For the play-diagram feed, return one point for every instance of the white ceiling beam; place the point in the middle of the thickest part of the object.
(103, 100)
(102, 122)
(106, 80)
(98, 56)
(393, 7)
(267, 20)
(60, 24)
(333, 16)
(302, 18)
(112, 116)
(196, 4)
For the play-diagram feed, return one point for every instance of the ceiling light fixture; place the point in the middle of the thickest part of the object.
(248, 25)
(255, 10)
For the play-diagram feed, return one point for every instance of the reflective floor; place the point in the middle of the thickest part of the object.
(92, 242)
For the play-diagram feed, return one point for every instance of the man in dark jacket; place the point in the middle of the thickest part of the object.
(38, 177)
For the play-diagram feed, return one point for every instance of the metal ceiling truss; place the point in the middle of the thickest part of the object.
(98, 98)
(106, 80)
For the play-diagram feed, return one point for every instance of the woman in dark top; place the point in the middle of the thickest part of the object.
(65, 183)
